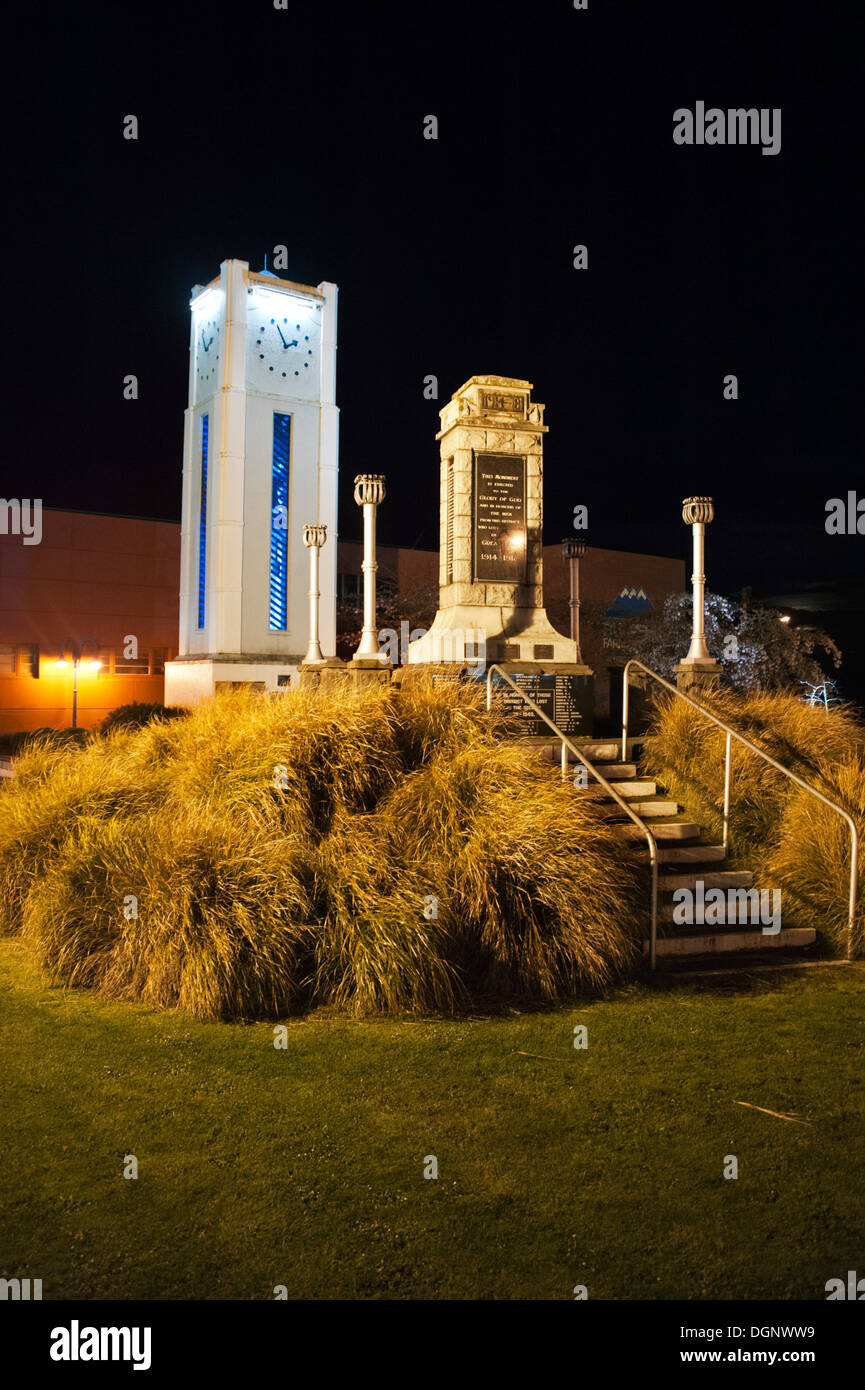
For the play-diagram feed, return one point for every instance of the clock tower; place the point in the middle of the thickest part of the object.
(259, 464)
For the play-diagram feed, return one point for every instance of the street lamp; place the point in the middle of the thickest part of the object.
(77, 660)
(573, 550)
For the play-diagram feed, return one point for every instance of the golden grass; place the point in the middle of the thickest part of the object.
(56, 788)
(810, 862)
(785, 835)
(686, 754)
(287, 852)
(218, 922)
(532, 881)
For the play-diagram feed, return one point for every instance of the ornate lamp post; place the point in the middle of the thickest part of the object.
(314, 538)
(368, 493)
(573, 550)
(697, 512)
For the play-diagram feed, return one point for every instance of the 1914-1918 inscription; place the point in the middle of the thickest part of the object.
(500, 518)
(497, 400)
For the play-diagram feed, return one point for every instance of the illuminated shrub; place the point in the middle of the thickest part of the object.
(375, 851)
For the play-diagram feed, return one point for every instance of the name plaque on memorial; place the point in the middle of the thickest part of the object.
(564, 696)
(499, 532)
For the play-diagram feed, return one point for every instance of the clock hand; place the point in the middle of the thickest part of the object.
(279, 331)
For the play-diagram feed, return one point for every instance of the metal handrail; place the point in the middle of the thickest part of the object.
(589, 765)
(779, 767)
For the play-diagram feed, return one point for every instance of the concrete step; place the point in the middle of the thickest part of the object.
(628, 790)
(601, 750)
(669, 830)
(743, 920)
(613, 771)
(718, 878)
(692, 854)
(649, 810)
(609, 753)
(607, 749)
(725, 942)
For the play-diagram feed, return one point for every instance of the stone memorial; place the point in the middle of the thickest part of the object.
(491, 605)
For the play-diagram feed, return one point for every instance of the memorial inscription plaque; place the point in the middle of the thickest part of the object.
(499, 532)
(564, 697)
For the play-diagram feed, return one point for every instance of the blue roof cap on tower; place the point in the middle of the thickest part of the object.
(266, 271)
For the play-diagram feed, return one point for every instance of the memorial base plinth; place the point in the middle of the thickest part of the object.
(465, 632)
(323, 675)
(344, 675)
(366, 671)
(420, 672)
(692, 679)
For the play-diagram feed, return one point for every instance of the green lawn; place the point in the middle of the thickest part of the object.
(304, 1166)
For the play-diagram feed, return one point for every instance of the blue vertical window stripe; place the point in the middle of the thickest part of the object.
(202, 525)
(279, 524)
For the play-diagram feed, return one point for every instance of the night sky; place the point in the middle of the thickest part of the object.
(454, 257)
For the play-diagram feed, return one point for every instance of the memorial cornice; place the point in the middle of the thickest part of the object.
(486, 422)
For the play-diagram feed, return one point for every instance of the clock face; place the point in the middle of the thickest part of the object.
(207, 351)
(283, 338)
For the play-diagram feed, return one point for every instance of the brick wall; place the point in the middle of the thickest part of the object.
(91, 577)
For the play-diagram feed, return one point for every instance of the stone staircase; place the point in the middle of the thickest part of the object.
(684, 861)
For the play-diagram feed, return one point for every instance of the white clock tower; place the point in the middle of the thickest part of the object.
(259, 464)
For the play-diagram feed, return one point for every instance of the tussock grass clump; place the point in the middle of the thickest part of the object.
(434, 718)
(686, 754)
(376, 949)
(207, 912)
(547, 895)
(810, 862)
(324, 755)
(531, 882)
(785, 835)
(57, 788)
(379, 851)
